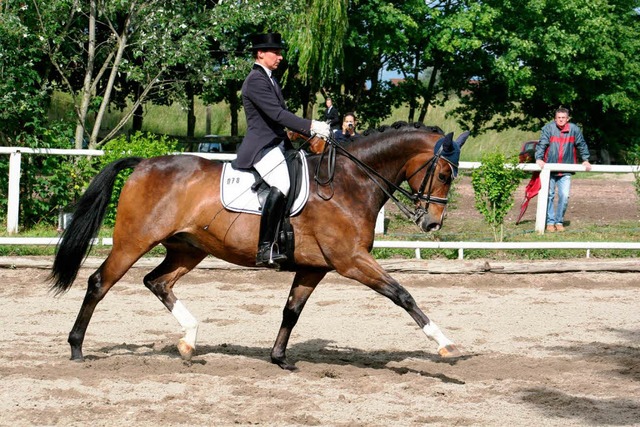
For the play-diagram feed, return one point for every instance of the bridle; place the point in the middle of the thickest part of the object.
(423, 194)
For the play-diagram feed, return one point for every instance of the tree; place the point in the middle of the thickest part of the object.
(533, 57)
(24, 93)
(425, 53)
(372, 33)
(316, 35)
(140, 39)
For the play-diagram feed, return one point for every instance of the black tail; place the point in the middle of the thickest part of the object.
(78, 237)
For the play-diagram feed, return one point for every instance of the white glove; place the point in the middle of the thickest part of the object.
(321, 129)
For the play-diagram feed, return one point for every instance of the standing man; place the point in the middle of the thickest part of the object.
(266, 139)
(560, 142)
(331, 115)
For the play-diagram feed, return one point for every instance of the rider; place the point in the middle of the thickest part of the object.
(266, 139)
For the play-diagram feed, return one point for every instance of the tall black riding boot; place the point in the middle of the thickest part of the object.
(272, 213)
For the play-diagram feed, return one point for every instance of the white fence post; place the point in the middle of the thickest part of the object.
(13, 200)
(543, 195)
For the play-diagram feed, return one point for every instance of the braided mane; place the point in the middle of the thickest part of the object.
(402, 125)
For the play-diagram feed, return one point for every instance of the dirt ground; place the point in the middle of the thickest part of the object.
(555, 350)
(592, 202)
(540, 349)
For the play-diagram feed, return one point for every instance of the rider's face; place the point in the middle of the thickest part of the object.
(270, 58)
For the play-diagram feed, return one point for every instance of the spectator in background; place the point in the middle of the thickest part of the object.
(560, 142)
(348, 131)
(331, 115)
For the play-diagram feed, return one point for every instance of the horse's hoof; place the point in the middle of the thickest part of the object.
(450, 351)
(284, 364)
(76, 356)
(185, 349)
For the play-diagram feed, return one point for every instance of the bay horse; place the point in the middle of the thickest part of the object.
(174, 201)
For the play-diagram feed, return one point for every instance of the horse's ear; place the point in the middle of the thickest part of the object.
(462, 138)
(447, 142)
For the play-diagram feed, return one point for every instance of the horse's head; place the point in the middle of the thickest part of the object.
(430, 175)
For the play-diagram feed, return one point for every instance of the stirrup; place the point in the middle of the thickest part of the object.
(269, 257)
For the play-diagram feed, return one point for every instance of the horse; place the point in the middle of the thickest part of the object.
(174, 201)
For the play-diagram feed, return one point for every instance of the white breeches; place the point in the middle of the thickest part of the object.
(273, 169)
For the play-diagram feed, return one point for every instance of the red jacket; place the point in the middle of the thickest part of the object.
(566, 145)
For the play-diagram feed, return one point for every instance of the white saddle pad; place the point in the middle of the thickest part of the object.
(237, 196)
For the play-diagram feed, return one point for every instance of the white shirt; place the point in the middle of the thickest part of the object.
(268, 72)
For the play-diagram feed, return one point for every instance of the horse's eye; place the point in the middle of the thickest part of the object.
(443, 178)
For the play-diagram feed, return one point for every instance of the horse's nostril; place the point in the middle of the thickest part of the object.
(434, 226)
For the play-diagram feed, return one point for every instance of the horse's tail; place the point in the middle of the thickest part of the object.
(87, 218)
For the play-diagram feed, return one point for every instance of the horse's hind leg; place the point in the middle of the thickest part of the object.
(367, 271)
(99, 283)
(303, 285)
(179, 261)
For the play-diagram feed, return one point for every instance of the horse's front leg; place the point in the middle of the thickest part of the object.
(366, 270)
(303, 285)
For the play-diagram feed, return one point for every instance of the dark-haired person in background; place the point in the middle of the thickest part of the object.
(348, 131)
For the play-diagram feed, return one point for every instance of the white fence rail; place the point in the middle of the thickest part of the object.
(15, 154)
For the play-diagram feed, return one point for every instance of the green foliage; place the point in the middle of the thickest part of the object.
(494, 184)
(537, 56)
(137, 145)
(633, 158)
(23, 93)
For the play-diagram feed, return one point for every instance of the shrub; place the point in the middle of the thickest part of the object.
(494, 184)
(633, 158)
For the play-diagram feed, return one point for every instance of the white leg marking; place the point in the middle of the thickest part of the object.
(187, 321)
(433, 332)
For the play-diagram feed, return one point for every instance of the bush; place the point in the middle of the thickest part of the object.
(633, 158)
(494, 184)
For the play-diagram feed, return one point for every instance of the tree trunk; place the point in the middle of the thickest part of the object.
(86, 87)
(122, 44)
(191, 114)
(234, 105)
(207, 121)
(137, 119)
(428, 95)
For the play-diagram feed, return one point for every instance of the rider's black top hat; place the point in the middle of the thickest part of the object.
(266, 41)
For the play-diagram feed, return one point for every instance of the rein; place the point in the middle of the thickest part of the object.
(333, 146)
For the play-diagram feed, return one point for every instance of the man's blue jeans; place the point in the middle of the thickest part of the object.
(562, 184)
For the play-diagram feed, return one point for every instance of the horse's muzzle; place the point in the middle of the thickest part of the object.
(425, 221)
